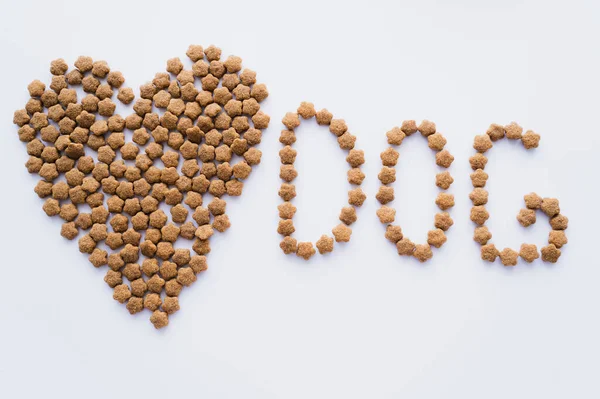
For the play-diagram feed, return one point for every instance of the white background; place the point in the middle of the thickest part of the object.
(361, 322)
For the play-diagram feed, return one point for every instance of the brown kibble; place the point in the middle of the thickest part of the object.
(356, 158)
(558, 238)
(444, 201)
(393, 233)
(159, 319)
(306, 110)
(342, 233)
(443, 180)
(436, 238)
(287, 173)
(286, 227)
(478, 161)
(69, 230)
(305, 250)
(533, 201)
(444, 159)
(386, 214)
(509, 257)
(395, 136)
(436, 141)
(286, 210)
(355, 176)
(479, 178)
(113, 278)
(479, 196)
(288, 245)
(482, 143)
(559, 222)
(531, 140)
(514, 132)
(495, 132)
(550, 253)
(186, 276)
(482, 235)
(291, 120)
(135, 305)
(389, 157)
(347, 215)
(171, 305)
(426, 128)
(385, 195)
(325, 244)
(526, 217)
(423, 252)
(443, 221)
(405, 247)
(356, 197)
(550, 207)
(489, 252)
(36, 88)
(287, 155)
(528, 252)
(121, 293)
(409, 127)
(324, 117)
(479, 214)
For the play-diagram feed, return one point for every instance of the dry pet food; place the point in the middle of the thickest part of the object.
(194, 131)
(287, 191)
(387, 215)
(526, 216)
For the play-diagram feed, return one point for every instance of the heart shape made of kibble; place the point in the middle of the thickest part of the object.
(192, 132)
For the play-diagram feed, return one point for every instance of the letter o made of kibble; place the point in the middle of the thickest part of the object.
(355, 158)
(387, 176)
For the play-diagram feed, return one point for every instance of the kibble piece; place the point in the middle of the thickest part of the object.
(286, 227)
(526, 217)
(356, 158)
(306, 110)
(550, 253)
(482, 235)
(482, 143)
(559, 222)
(36, 88)
(386, 214)
(342, 233)
(384, 195)
(324, 117)
(186, 276)
(529, 252)
(443, 180)
(444, 201)
(355, 176)
(436, 141)
(509, 257)
(405, 247)
(444, 159)
(533, 201)
(393, 233)
(558, 238)
(513, 132)
(395, 136)
(478, 161)
(171, 305)
(427, 128)
(423, 252)
(325, 244)
(356, 197)
(479, 214)
(443, 221)
(289, 245)
(489, 252)
(69, 230)
(305, 250)
(436, 238)
(479, 178)
(121, 293)
(550, 207)
(409, 127)
(495, 132)
(286, 210)
(479, 196)
(159, 319)
(530, 140)
(389, 157)
(290, 120)
(347, 215)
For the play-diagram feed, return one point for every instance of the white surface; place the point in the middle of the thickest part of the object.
(361, 322)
